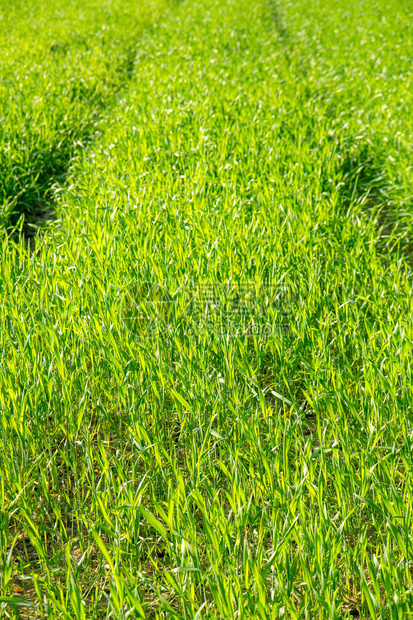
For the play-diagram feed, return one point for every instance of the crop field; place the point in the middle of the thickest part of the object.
(206, 310)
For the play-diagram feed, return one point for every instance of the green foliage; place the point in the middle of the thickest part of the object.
(61, 65)
(162, 455)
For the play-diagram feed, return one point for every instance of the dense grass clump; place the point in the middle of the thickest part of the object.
(205, 371)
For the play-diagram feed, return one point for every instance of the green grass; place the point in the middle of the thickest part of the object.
(60, 67)
(205, 371)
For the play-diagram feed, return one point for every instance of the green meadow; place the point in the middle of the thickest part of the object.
(206, 377)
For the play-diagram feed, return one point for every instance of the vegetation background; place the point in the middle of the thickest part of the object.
(205, 350)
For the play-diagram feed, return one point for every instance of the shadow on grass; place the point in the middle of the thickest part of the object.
(365, 181)
(27, 185)
(28, 189)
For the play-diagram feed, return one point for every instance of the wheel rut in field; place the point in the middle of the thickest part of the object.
(360, 166)
(28, 192)
(365, 181)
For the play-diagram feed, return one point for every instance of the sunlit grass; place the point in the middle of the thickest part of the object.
(248, 175)
(61, 66)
